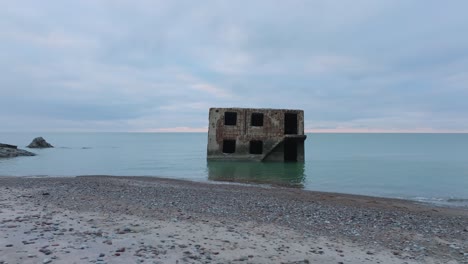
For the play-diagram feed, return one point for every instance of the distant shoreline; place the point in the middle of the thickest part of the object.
(247, 184)
(450, 204)
(354, 199)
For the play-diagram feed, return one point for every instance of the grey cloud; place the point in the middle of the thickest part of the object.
(154, 64)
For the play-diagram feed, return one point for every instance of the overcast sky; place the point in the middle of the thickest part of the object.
(117, 65)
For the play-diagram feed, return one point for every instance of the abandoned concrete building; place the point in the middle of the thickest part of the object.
(256, 134)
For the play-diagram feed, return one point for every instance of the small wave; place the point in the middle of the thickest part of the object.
(74, 147)
(451, 202)
(457, 200)
(425, 199)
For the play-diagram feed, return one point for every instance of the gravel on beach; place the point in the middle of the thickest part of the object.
(379, 229)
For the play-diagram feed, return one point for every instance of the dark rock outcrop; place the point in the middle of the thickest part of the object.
(39, 142)
(7, 146)
(10, 151)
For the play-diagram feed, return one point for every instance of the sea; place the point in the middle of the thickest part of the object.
(431, 168)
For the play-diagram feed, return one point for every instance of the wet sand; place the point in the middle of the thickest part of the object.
(104, 219)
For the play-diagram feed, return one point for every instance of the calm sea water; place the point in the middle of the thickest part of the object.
(424, 167)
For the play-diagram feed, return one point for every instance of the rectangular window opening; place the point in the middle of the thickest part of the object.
(256, 147)
(230, 118)
(229, 146)
(257, 119)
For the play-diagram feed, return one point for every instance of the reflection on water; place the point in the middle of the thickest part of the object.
(276, 173)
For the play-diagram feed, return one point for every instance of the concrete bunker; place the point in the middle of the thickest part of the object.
(258, 134)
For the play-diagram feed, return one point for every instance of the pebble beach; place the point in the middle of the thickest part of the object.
(105, 219)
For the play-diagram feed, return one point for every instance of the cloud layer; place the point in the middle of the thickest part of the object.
(159, 65)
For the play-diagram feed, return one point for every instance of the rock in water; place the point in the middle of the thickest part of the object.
(10, 151)
(39, 142)
(8, 146)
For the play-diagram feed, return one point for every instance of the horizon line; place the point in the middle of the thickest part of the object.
(313, 130)
(321, 130)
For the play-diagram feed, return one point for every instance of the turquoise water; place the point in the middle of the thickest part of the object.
(425, 167)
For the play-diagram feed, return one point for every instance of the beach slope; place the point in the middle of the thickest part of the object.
(104, 219)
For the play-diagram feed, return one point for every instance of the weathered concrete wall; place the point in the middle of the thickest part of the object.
(271, 133)
(277, 154)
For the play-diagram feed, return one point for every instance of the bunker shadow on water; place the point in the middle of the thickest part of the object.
(289, 174)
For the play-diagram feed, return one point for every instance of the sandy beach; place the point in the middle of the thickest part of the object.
(104, 219)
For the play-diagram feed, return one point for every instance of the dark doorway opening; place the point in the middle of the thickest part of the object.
(229, 146)
(290, 150)
(290, 123)
(256, 147)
